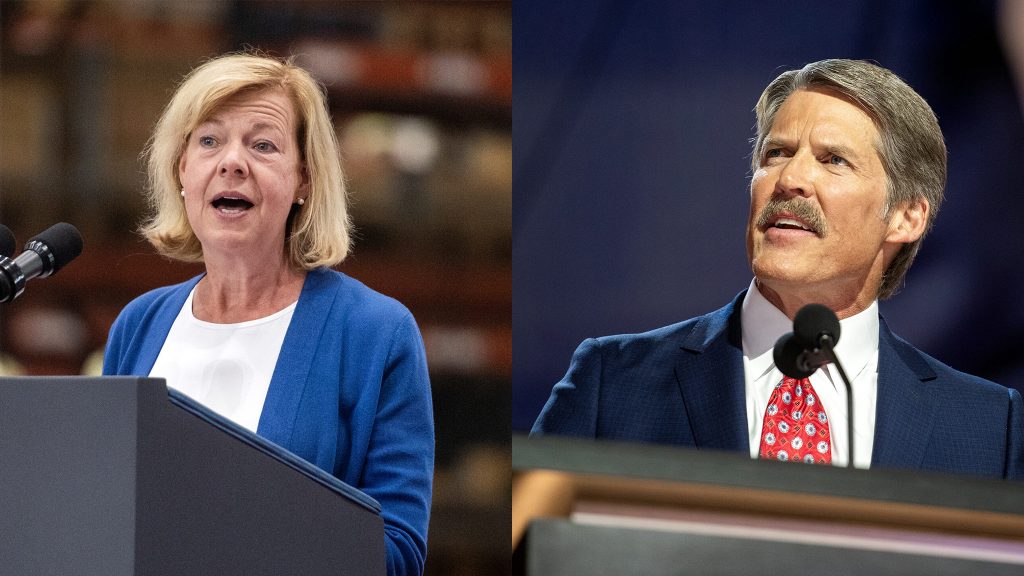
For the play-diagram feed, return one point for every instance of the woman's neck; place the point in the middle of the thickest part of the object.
(237, 293)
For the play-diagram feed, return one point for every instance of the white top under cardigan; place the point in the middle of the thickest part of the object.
(225, 367)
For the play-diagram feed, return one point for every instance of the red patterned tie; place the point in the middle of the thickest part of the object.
(795, 425)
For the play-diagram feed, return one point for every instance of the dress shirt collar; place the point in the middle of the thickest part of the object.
(762, 324)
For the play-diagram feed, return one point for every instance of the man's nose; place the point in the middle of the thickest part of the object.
(798, 175)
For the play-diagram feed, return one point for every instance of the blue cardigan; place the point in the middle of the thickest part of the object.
(350, 394)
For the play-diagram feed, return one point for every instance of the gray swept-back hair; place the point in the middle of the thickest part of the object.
(910, 142)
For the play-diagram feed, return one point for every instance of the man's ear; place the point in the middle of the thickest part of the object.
(908, 222)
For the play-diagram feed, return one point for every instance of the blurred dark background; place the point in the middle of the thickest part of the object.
(632, 131)
(421, 95)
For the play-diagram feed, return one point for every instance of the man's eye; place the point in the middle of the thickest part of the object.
(837, 160)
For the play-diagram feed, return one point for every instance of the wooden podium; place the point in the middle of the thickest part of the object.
(116, 476)
(593, 507)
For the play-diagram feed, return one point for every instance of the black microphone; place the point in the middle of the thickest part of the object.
(6, 241)
(44, 254)
(810, 346)
(814, 324)
(794, 359)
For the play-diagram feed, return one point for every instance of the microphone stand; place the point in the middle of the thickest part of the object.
(827, 346)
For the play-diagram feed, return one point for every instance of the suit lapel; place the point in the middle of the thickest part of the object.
(709, 372)
(904, 413)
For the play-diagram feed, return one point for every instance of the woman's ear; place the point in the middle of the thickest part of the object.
(181, 168)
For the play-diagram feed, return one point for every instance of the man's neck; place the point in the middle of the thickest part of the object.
(844, 303)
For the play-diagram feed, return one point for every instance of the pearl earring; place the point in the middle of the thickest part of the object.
(182, 192)
(300, 201)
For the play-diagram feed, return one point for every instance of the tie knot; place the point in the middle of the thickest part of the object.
(787, 381)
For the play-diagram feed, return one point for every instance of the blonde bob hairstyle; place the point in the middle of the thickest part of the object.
(319, 229)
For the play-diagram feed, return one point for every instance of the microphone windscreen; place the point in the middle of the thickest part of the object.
(63, 241)
(787, 353)
(812, 321)
(7, 243)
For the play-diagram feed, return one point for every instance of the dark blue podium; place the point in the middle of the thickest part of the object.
(118, 476)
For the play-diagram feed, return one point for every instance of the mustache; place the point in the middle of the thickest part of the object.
(802, 209)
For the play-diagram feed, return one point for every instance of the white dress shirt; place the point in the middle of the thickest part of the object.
(762, 325)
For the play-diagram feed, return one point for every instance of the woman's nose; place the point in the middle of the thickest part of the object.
(233, 162)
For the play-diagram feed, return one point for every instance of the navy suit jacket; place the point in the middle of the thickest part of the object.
(683, 384)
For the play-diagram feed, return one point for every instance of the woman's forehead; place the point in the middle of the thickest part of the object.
(268, 104)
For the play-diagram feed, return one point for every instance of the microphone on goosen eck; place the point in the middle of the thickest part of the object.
(44, 255)
(6, 241)
(811, 345)
(815, 325)
(793, 358)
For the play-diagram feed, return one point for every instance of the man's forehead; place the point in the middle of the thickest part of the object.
(829, 118)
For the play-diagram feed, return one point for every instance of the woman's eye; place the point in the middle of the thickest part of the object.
(837, 160)
(207, 141)
(264, 147)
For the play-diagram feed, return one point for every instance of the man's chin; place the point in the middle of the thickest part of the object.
(785, 273)
(786, 279)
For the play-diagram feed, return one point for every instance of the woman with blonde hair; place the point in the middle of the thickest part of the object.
(245, 177)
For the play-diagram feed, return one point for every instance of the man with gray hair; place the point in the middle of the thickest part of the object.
(849, 168)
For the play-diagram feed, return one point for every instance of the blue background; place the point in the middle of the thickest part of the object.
(631, 131)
